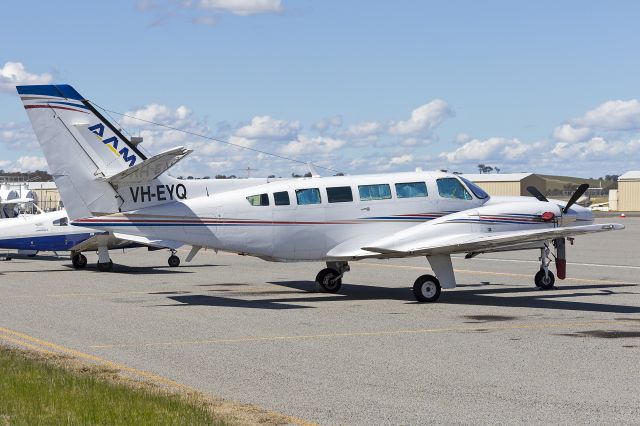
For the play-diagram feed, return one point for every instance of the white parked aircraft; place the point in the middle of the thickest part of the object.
(52, 232)
(108, 183)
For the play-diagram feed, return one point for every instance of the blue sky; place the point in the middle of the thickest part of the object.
(358, 86)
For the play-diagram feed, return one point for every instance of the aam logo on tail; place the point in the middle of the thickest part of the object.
(112, 144)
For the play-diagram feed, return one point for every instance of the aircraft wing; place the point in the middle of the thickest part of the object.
(466, 243)
(170, 244)
(17, 201)
(118, 240)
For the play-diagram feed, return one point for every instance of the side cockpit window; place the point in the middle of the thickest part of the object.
(63, 221)
(452, 188)
(478, 192)
(258, 200)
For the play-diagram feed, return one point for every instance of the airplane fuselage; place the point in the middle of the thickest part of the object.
(324, 218)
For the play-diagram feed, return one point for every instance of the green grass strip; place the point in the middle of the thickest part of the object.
(36, 392)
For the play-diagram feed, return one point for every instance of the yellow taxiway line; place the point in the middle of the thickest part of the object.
(478, 326)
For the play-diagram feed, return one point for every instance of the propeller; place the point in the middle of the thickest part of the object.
(536, 193)
(579, 192)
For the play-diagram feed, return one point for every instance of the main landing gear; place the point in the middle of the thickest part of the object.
(329, 280)
(174, 261)
(78, 260)
(104, 261)
(544, 279)
(426, 289)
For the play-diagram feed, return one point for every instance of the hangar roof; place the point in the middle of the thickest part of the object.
(497, 177)
(633, 175)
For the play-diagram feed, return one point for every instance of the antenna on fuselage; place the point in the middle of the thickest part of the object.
(312, 170)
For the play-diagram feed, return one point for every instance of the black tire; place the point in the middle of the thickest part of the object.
(544, 282)
(79, 261)
(327, 281)
(426, 289)
(174, 261)
(105, 267)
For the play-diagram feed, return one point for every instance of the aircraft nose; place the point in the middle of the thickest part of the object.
(583, 214)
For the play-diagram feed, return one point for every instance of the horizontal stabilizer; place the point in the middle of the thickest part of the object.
(150, 168)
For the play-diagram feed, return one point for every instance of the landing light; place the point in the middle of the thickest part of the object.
(547, 216)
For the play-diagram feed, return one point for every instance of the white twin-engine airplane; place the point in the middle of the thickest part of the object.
(109, 183)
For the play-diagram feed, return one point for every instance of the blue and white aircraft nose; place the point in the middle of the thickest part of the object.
(578, 216)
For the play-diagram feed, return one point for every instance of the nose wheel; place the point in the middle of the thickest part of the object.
(79, 261)
(426, 289)
(544, 279)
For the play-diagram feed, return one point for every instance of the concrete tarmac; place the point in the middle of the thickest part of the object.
(494, 350)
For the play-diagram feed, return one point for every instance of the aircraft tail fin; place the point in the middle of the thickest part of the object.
(82, 148)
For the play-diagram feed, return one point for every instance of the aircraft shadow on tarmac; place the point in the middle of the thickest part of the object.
(523, 297)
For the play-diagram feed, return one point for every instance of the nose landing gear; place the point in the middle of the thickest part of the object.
(544, 279)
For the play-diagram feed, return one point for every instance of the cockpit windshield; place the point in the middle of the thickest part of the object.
(479, 192)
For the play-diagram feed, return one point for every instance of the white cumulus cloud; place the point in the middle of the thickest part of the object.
(312, 145)
(265, 127)
(14, 73)
(364, 129)
(497, 149)
(423, 118)
(241, 7)
(568, 133)
(610, 116)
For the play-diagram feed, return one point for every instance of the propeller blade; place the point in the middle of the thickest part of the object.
(536, 193)
(581, 190)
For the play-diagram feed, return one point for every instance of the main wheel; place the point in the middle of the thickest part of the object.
(79, 261)
(327, 281)
(544, 282)
(426, 289)
(106, 266)
(174, 261)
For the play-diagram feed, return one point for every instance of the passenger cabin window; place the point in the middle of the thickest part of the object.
(308, 196)
(374, 192)
(479, 192)
(452, 188)
(281, 198)
(411, 189)
(258, 200)
(339, 194)
(63, 221)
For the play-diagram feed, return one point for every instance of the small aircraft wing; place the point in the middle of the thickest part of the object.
(17, 201)
(463, 243)
(151, 168)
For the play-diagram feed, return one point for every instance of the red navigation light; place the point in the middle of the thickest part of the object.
(547, 216)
